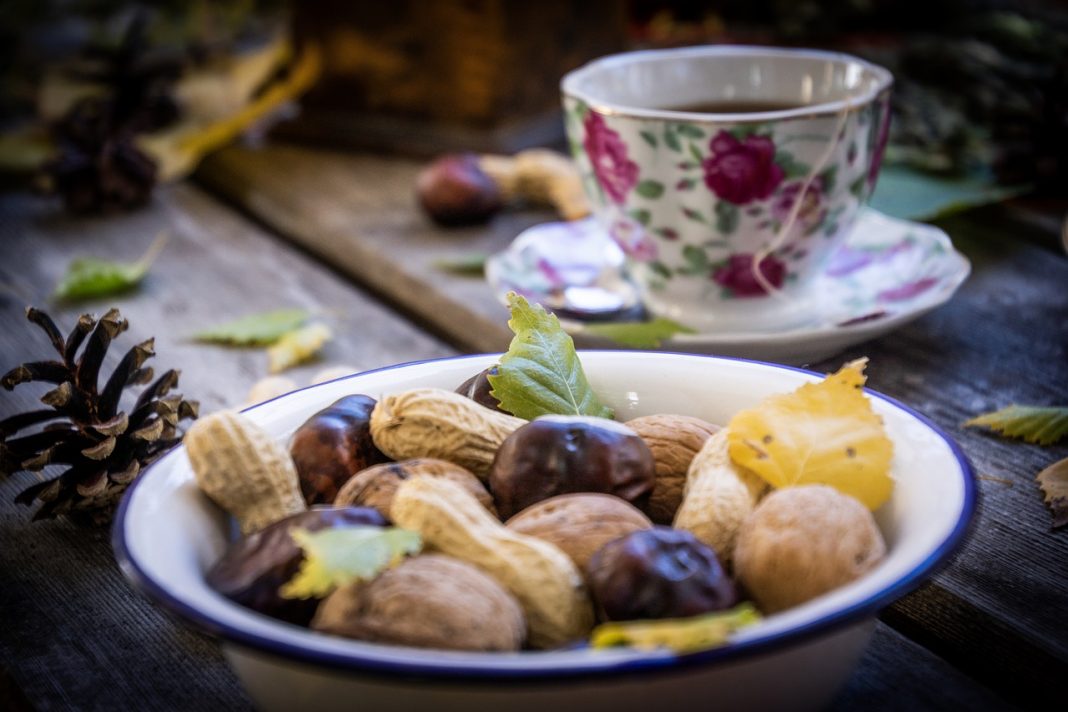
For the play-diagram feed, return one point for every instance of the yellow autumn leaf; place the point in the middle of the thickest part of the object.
(821, 433)
(296, 347)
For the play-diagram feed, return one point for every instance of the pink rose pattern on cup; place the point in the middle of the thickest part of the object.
(742, 170)
(616, 173)
(729, 182)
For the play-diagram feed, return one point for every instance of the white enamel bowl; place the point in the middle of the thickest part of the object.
(167, 535)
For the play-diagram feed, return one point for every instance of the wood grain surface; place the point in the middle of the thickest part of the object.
(75, 635)
(998, 611)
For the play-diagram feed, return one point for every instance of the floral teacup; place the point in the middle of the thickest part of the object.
(726, 218)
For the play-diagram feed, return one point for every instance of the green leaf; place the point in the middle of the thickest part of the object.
(255, 329)
(642, 216)
(694, 215)
(660, 269)
(639, 334)
(91, 277)
(336, 557)
(296, 347)
(650, 189)
(689, 131)
(696, 153)
(1035, 424)
(909, 194)
(682, 635)
(671, 139)
(471, 265)
(650, 138)
(726, 217)
(829, 178)
(792, 167)
(541, 374)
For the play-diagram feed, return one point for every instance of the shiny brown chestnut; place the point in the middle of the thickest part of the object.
(254, 567)
(478, 389)
(658, 573)
(332, 446)
(454, 190)
(557, 454)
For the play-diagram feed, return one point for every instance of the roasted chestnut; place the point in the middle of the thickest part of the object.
(478, 388)
(256, 566)
(558, 454)
(454, 190)
(658, 573)
(332, 446)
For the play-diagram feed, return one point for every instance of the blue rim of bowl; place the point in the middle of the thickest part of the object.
(884, 80)
(471, 673)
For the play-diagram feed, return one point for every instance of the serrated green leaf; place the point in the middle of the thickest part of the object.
(650, 189)
(471, 265)
(682, 635)
(639, 334)
(1035, 424)
(92, 277)
(255, 329)
(541, 374)
(336, 557)
(296, 347)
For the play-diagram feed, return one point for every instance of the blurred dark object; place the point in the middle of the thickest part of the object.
(437, 75)
(981, 86)
(99, 168)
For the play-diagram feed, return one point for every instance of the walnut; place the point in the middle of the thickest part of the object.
(801, 542)
(674, 440)
(581, 523)
(430, 601)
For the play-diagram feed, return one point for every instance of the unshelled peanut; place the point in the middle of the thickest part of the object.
(718, 497)
(431, 422)
(543, 578)
(243, 470)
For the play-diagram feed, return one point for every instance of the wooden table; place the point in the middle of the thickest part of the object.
(988, 632)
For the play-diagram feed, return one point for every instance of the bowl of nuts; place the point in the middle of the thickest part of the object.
(546, 527)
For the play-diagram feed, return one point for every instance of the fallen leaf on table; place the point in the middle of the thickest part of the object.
(255, 329)
(472, 265)
(1043, 425)
(682, 635)
(822, 433)
(1054, 483)
(92, 277)
(638, 334)
(296, 347)
(541, 374)
(912, 195)
(336, 557)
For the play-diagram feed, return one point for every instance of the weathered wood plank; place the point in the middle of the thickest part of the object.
(360, 215)
(1002, 339)
(75, 635)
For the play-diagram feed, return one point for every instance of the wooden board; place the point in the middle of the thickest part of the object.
(999, 610)
(75, 634)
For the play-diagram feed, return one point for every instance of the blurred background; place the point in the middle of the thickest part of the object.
(981, 101)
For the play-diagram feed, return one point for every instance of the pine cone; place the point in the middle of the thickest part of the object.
(98, 169)
(102, 447)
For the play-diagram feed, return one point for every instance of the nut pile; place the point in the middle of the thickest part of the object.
(531, 532)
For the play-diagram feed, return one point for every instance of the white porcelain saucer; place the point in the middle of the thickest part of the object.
(887, 273)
